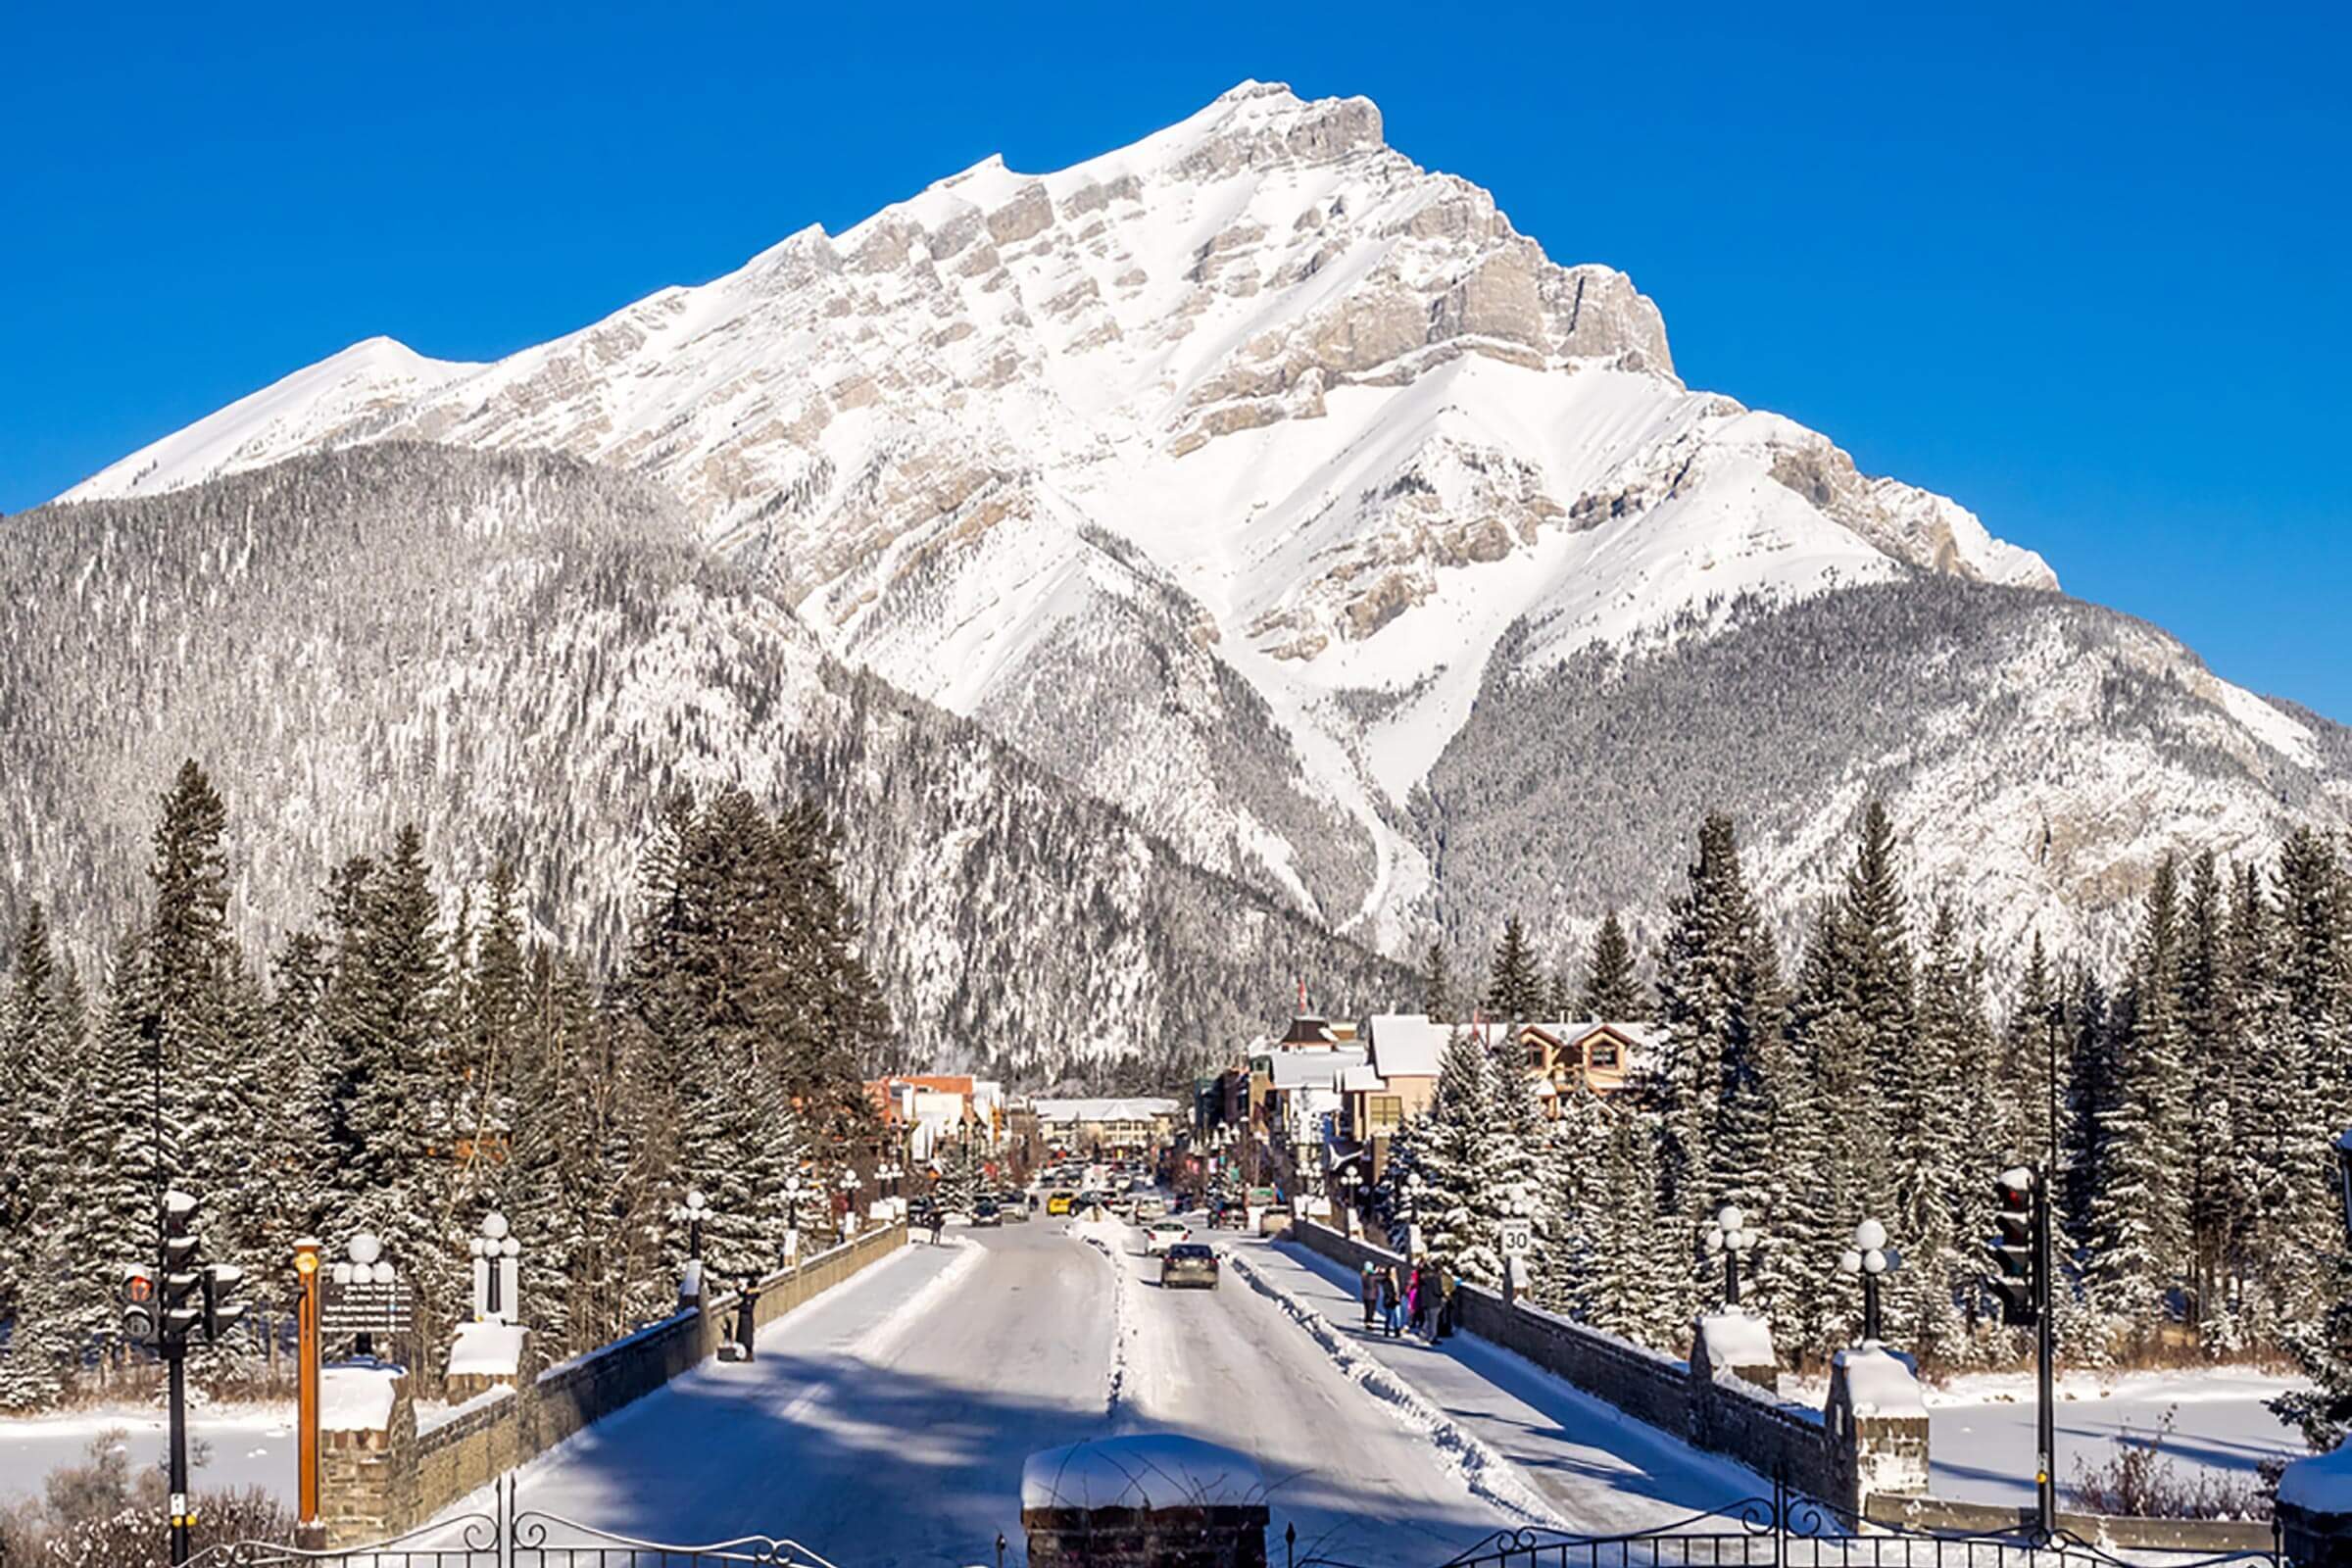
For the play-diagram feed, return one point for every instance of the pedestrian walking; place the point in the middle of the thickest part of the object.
(745, 1324)
(1392, 1302)
(1369, 1287)
(1413, 1300)
(1449, 1287)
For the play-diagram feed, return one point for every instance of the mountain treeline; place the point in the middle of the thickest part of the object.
(2023, 740)
(2192, 1092)
(413, 1056)
(521, 650)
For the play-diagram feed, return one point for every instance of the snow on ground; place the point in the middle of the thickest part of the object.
(1599, 1469)
(240, 1446)
(1981, 1428)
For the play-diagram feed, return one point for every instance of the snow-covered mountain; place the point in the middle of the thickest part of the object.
(523, 654)
(1210, 472)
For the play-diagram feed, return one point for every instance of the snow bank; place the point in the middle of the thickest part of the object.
(1144, 1470)
(1487, 1473)
(1879, 1383)
(357, 1398)
(486, 1349)
(2321, 1484)
(1735, 1339)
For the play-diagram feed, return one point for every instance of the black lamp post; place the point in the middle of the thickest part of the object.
(1727, 1234)
(1871, 1257)
(696, 1208)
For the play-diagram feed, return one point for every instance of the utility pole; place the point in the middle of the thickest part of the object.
(2045, 1487)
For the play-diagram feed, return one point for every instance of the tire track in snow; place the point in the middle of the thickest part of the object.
(1117, 1405)
(1487, 1473)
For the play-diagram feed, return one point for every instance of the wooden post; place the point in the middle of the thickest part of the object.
(309, 1533)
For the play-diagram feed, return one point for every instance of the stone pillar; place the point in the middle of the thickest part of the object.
(1150, 1500)
(1732, 1342)
(486, 1355)
(367, 1453)
(1876, 1425)
(2314, 1507)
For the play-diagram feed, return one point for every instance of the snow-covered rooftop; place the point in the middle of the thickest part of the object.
(1146, 1470)
(1405, 1045)
(357, 1398)
(1314, 1067)
(1142, 1108)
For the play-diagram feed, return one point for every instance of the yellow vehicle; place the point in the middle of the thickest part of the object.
(1059, 1203)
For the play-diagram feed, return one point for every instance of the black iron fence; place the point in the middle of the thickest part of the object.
(1788, 1530)
(510, 1536)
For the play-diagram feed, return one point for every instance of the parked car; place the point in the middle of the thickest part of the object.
(1149, 1207)
(1060, 1204)
(1162, 1234)
(1188, 1264)
(985, 1211)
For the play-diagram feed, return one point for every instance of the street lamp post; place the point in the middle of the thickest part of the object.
(1348, 1180)
(1871, 1257)
(497, 1258)
(695, 1208)
(1728, 1233)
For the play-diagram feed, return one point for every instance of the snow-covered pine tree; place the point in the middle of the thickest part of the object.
(44, 1085)
(1458, 1164)
(1570, 1183)
(1515, 989)
(2268, 1121)
(2311, 981)
(2213, 1050)
(2140, 1213)
(1935, 1165)
(389, 1030)
(1813, 1304)
(959, 1176)
(1617, 1287)
(1720, 1004)
(1611, 990)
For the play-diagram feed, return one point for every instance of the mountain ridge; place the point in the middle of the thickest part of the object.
(1250, 439)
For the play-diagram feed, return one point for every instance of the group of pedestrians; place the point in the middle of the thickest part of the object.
(1423, 1300)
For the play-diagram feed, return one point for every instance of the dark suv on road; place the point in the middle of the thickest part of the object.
(985, 1213)
(1188, 1264)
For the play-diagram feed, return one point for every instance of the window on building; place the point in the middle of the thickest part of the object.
(1602, 1054)
(1384, 1110)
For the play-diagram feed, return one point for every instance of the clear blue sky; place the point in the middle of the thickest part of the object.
(2090, 277)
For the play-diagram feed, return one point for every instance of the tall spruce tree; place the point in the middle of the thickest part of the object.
(2139, 1209)
(1515, 989)
(1611, 991)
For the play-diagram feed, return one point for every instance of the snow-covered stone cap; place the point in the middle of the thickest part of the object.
(1148, 1470)
(486, 1349)
(1735, 1339)
(357, 1397)
(2321, 1484)
(1879, 1381)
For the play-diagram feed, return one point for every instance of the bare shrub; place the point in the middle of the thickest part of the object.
(2142, 1481)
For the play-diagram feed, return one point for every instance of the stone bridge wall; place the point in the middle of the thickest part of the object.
(390, 1481)
(1720, 1412)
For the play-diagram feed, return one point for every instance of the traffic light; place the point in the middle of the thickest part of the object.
(2013, 1283)
(220, 1313)
(137, 1294)
(182, 1282)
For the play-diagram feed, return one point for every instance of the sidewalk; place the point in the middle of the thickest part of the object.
(1602, 1471)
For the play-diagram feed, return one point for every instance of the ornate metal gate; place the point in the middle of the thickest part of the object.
(1788, 1530)
(511, 1536)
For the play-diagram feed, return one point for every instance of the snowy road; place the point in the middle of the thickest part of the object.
(887, 1421)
